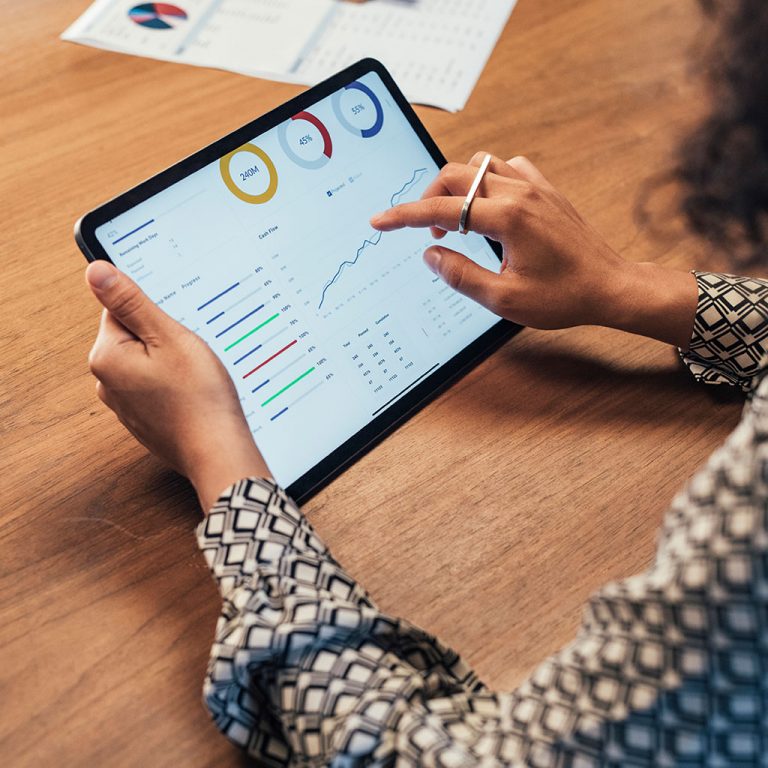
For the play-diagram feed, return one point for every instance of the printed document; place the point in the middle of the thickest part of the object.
(435, 49)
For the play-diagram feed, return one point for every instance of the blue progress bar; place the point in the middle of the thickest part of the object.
(263, 384)
(237, 322)
(280, 413)
(218, 296)
(215, 317)
(133, 231)
(240, 359)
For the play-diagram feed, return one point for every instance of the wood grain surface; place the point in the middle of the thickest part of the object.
(488, 519)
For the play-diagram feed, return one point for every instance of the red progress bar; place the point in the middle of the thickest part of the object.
(279, 352)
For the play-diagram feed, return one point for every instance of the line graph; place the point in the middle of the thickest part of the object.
(349, 263)
(374, 240)
(412, 182)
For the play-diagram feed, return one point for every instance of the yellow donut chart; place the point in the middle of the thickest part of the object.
(232, 186)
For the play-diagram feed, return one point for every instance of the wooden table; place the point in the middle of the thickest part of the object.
(488, 519)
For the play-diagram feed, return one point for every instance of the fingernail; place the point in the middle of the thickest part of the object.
(376, 219)
(432, 258)
(100, 274)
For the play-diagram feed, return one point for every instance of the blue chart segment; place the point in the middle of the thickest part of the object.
(374, 240)
(354, 113)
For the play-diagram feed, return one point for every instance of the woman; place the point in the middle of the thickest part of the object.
(670, 666)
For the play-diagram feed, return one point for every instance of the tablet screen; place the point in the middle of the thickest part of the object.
(322, 322)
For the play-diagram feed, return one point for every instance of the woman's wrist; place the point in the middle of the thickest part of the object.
(212, 473)
(654, 301)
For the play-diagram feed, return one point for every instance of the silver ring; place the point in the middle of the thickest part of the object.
(471, 194)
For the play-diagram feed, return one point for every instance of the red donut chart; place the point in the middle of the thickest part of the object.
(325, 136)
(310, 118)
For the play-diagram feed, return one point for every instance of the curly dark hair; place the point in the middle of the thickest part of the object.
(723, 164)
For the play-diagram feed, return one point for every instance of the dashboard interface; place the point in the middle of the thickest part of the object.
(322, 322)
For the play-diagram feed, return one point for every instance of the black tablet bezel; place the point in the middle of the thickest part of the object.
(381, 426)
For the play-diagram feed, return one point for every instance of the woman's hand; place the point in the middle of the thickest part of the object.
(169, 388)
(557, 271)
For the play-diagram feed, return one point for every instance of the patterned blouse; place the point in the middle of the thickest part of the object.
(669, 668)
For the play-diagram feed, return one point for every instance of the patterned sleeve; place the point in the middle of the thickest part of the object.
(305, 668)
(669, 667)
(730, 334)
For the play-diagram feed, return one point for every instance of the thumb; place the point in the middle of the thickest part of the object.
(124, 300)
(466, 276)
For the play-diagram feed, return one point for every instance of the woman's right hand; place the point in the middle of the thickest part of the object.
(557, 271)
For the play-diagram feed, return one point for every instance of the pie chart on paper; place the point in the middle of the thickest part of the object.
(157, 15)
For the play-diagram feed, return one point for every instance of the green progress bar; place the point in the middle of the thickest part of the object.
(250, 333)
(288, 386)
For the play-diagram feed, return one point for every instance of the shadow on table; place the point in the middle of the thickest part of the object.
(535, 379)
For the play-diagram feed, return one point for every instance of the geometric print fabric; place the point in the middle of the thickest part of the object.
(730, 333)
(670, 667)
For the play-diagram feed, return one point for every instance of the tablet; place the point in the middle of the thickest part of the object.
(333, 333)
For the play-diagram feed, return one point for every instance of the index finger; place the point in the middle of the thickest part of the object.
(486, 217)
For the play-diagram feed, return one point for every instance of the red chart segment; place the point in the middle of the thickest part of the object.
(157, 15)
(306, 140)
(310, 118)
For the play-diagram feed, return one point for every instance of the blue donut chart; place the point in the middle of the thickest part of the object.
(366, 133)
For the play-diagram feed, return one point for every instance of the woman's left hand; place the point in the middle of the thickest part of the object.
(168, 388)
